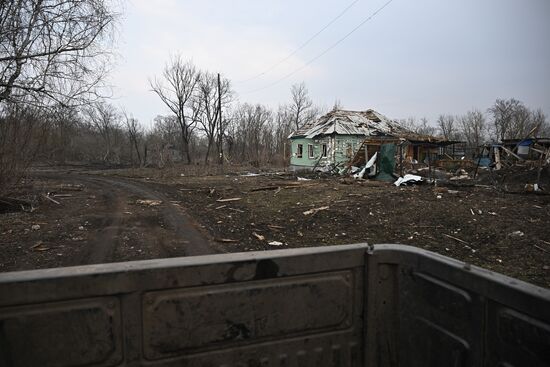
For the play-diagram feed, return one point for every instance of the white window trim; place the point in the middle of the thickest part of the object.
(299, 152)
(310, 152)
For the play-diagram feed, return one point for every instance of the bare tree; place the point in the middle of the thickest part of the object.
(337, 105)
(178, 91)
(473, 128)
(22, 133)
(503, 113)
(539, 120)
(135, 135)
(104, 118)
(251, 134)
(53, 51)
(210, 121)
(300, 104)
(448, 128)
(162, 139)
(513, 120)
(422, 127)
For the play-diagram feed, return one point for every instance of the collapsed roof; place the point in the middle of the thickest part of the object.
(367, 123)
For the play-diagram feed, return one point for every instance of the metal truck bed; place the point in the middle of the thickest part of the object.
(356, 305)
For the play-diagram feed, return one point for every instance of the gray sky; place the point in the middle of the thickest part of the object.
(414, 58)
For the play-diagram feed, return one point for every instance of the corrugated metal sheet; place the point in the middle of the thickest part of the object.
(367, 123)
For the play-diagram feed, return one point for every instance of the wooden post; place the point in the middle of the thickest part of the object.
(498, 164)
(401, 159)
(220, 122)
(430, 163)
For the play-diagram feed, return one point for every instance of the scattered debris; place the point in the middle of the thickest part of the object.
(275, 243)
(455, 238)
(52, 200)
(40, 246)
(258, 236)
(516, 234)
(265, 188)
(35, 227)
(408, 179)
(228, 200)
(315, 210)
(220, 207)
(149, 202)
(250, 174)
(304, 179)
(370, 164)
(236, 210)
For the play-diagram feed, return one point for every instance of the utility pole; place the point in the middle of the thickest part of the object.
(220, 122)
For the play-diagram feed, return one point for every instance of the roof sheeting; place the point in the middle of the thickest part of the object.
(367, 123)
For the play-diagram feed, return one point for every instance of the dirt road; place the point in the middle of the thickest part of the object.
(98, 219)
(108, 218)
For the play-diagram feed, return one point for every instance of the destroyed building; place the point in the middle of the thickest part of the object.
(344, 137)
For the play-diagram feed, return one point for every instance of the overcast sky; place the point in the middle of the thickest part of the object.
(414, 58)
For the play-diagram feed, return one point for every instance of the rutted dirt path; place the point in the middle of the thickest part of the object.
(100, 221)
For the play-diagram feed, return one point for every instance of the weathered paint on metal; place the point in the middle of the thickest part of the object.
(356, 305)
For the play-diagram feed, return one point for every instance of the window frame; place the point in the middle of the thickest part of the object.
(310, 151)
(300, 151)
(324, 150)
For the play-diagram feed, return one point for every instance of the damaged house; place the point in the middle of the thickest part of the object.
(351, 137)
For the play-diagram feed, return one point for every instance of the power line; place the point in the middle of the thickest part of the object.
(301, 46)
(322, 53)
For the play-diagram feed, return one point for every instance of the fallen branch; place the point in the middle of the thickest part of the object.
(265, 188)
(455, 238)
(228, 200)
(315, 210)
(52, 200)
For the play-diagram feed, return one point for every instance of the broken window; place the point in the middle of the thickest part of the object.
(300, 151)
(324, 155)
(310, 150)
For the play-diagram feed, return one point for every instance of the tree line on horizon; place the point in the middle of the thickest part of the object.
(55, 105)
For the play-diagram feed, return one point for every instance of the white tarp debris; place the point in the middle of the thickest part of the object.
(407, 179)
(275, 243)
(369, 164)
(303, 179)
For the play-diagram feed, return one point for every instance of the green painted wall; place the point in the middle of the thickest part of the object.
(344, 145)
